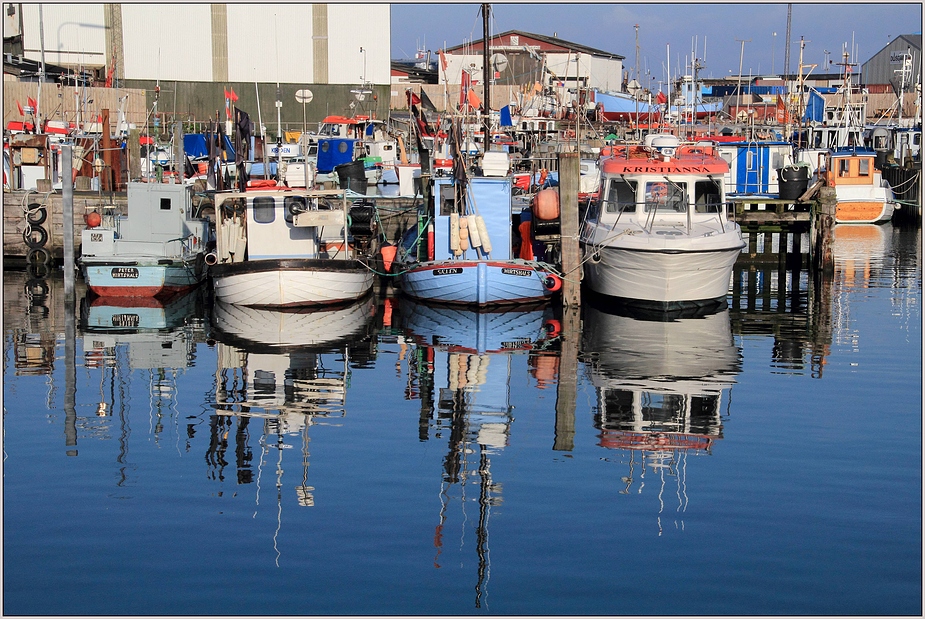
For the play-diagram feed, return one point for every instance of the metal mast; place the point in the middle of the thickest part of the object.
(486, 119)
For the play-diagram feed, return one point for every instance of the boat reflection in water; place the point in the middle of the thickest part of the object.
(122, 335)
(286, 370)
(660, 382)
(461, 362)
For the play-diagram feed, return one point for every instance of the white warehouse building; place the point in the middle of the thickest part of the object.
(267, 43)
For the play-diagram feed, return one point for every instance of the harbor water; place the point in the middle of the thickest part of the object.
(193, 458)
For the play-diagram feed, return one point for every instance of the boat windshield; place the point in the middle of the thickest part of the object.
(621, 196)
(666, 197)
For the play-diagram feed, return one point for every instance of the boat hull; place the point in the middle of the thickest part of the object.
(663, 278)
(863, 211)
(136, 278)
(279, 283)
(479, 282)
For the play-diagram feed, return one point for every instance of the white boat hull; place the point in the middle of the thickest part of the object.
(663, 277)
(291, 283)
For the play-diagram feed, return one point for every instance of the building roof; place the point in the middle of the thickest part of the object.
(550, 44)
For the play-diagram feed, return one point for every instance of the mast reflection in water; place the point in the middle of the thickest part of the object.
(463, 368)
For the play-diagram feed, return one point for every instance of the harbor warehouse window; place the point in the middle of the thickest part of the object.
(264, 210)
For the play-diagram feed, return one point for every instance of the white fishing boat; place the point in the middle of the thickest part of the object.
(156, 249)
(659, 234)
(278, 248)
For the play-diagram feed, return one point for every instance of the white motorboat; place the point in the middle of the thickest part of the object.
(659, 234)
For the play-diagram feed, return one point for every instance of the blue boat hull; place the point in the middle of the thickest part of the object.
(120, 278)
(480, 282)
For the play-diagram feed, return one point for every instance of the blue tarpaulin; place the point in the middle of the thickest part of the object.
(815, 108)
(506, 120)
(195, 146)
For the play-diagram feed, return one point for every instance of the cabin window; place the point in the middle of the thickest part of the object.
(342, 147)
(165, 204)
(325, 147)
(292, 206)
(864, 167)
(447, 200)
(665, 196)
(264, 210)
(844, 167)
(621, 196)
(750, 160)
(707, 197)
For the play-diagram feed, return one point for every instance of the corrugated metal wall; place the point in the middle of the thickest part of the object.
(265, 42)
(350, 27)
(880, 68)
(167, 41)
(74, 34)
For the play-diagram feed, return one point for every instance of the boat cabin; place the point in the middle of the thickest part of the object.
(854, 166)
(277, 224)
(661, 183)
(161, 220)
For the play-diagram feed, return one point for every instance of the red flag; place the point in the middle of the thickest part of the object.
(464, 87)
(227, 95)
(19, 105)
(413, 99)
(443, 62)
(33, 103)
(781, 111)
(233, 97)
(660, 98)
(473, 99)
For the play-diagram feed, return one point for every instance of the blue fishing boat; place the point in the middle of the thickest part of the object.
(156, 249)
(469, 256)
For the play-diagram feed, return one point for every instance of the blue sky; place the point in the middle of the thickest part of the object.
(862, 29)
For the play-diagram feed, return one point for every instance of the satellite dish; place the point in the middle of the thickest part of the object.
(303, 96)
(498, 62)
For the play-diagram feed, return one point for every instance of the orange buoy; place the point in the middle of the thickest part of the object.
(388, 256)
(546, 204)
(93, 219)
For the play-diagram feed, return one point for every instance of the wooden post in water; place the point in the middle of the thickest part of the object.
(567, 386)
(566, 392)
(569, 172)
(823, 230)
(70, 330)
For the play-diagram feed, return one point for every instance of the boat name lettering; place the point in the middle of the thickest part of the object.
(124, 273)
(517, 272)
(681, 169)
(515, 344)
(125, 320)
(448, 271)
(96, 237)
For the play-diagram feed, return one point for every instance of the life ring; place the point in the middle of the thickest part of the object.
(36, 214)
(33, 243)
(38, 255)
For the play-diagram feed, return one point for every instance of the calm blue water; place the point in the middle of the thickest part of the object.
(761, 459)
